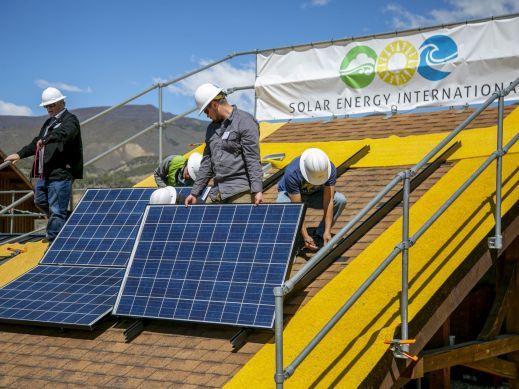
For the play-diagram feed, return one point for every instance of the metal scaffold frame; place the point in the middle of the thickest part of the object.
(160, 125)
(495, 242)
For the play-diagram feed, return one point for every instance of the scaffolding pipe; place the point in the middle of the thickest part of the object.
(18, 237)
(91, 119)
(496, 242)
(154, 125)
(365, 285)
(4, 164)
(31, 214)
(173, 119)
(11, 213)
(279, 377)
(453, 133)
(383, 35)
(282, 374)
(161, 124)
(404, 300)
(209, 65)
(460, 190)
(324, 331)
(512, 85)
(14, 191)
(238, 88)
(289, 285)
(17, 202)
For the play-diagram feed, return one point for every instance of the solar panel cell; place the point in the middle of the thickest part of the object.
(65, 296)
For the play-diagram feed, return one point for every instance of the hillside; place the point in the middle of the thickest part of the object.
(135, 159)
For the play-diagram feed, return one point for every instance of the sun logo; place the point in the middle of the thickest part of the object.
(397, 63)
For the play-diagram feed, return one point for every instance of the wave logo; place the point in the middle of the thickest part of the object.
(398, 62)
(436, 51)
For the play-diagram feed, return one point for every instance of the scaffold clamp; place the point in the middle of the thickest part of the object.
(398, 347)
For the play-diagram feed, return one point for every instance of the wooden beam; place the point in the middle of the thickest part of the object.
(512, 320)
(271, 180)
(440, 378)
(343, 167)
(495, 366)
(464, 353)
(396, 375)
(501, 304)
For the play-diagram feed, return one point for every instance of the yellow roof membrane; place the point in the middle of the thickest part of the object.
(21, 263)
(407, 150)
(347, 354)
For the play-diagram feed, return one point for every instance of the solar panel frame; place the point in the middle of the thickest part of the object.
(237, 287)
(61, 296)
(90, 238)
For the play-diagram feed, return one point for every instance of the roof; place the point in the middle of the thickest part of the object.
(187, 355)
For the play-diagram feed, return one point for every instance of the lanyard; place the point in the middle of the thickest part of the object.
(41, 150)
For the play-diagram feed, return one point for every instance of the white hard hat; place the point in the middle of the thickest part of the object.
(204, 94)
(193, 164)
(315, 166)
(167, 195)
(51, 95)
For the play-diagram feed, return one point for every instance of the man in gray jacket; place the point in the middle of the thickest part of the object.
(231, 155)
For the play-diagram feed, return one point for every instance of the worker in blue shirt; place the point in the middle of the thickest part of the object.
(311, 179)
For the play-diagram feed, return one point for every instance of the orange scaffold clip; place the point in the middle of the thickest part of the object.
(17, 251)
(395, 345)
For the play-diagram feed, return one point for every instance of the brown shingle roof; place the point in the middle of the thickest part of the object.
(380, 126)
(193, 355)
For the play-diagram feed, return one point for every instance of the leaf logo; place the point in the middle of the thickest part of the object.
(357, 69)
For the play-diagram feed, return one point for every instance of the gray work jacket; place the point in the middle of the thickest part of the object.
(231, 156)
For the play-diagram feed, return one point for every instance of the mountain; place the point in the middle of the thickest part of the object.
(107, 131)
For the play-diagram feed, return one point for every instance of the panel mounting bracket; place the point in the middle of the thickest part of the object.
(240, 338)
(133, 330)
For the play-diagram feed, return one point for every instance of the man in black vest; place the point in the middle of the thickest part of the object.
(58, 160)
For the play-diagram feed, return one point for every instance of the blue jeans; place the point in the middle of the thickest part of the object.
(315, 201)
(53, 197)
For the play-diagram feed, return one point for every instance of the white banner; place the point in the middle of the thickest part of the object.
(448, 66)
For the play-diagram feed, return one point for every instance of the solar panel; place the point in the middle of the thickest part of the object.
(212, 264)
(102, 229)
(68, 289)
(64, 296)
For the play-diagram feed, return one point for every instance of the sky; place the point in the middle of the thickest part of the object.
(101, 52)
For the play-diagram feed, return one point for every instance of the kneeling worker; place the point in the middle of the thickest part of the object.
(176, 170)
(311, 179)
